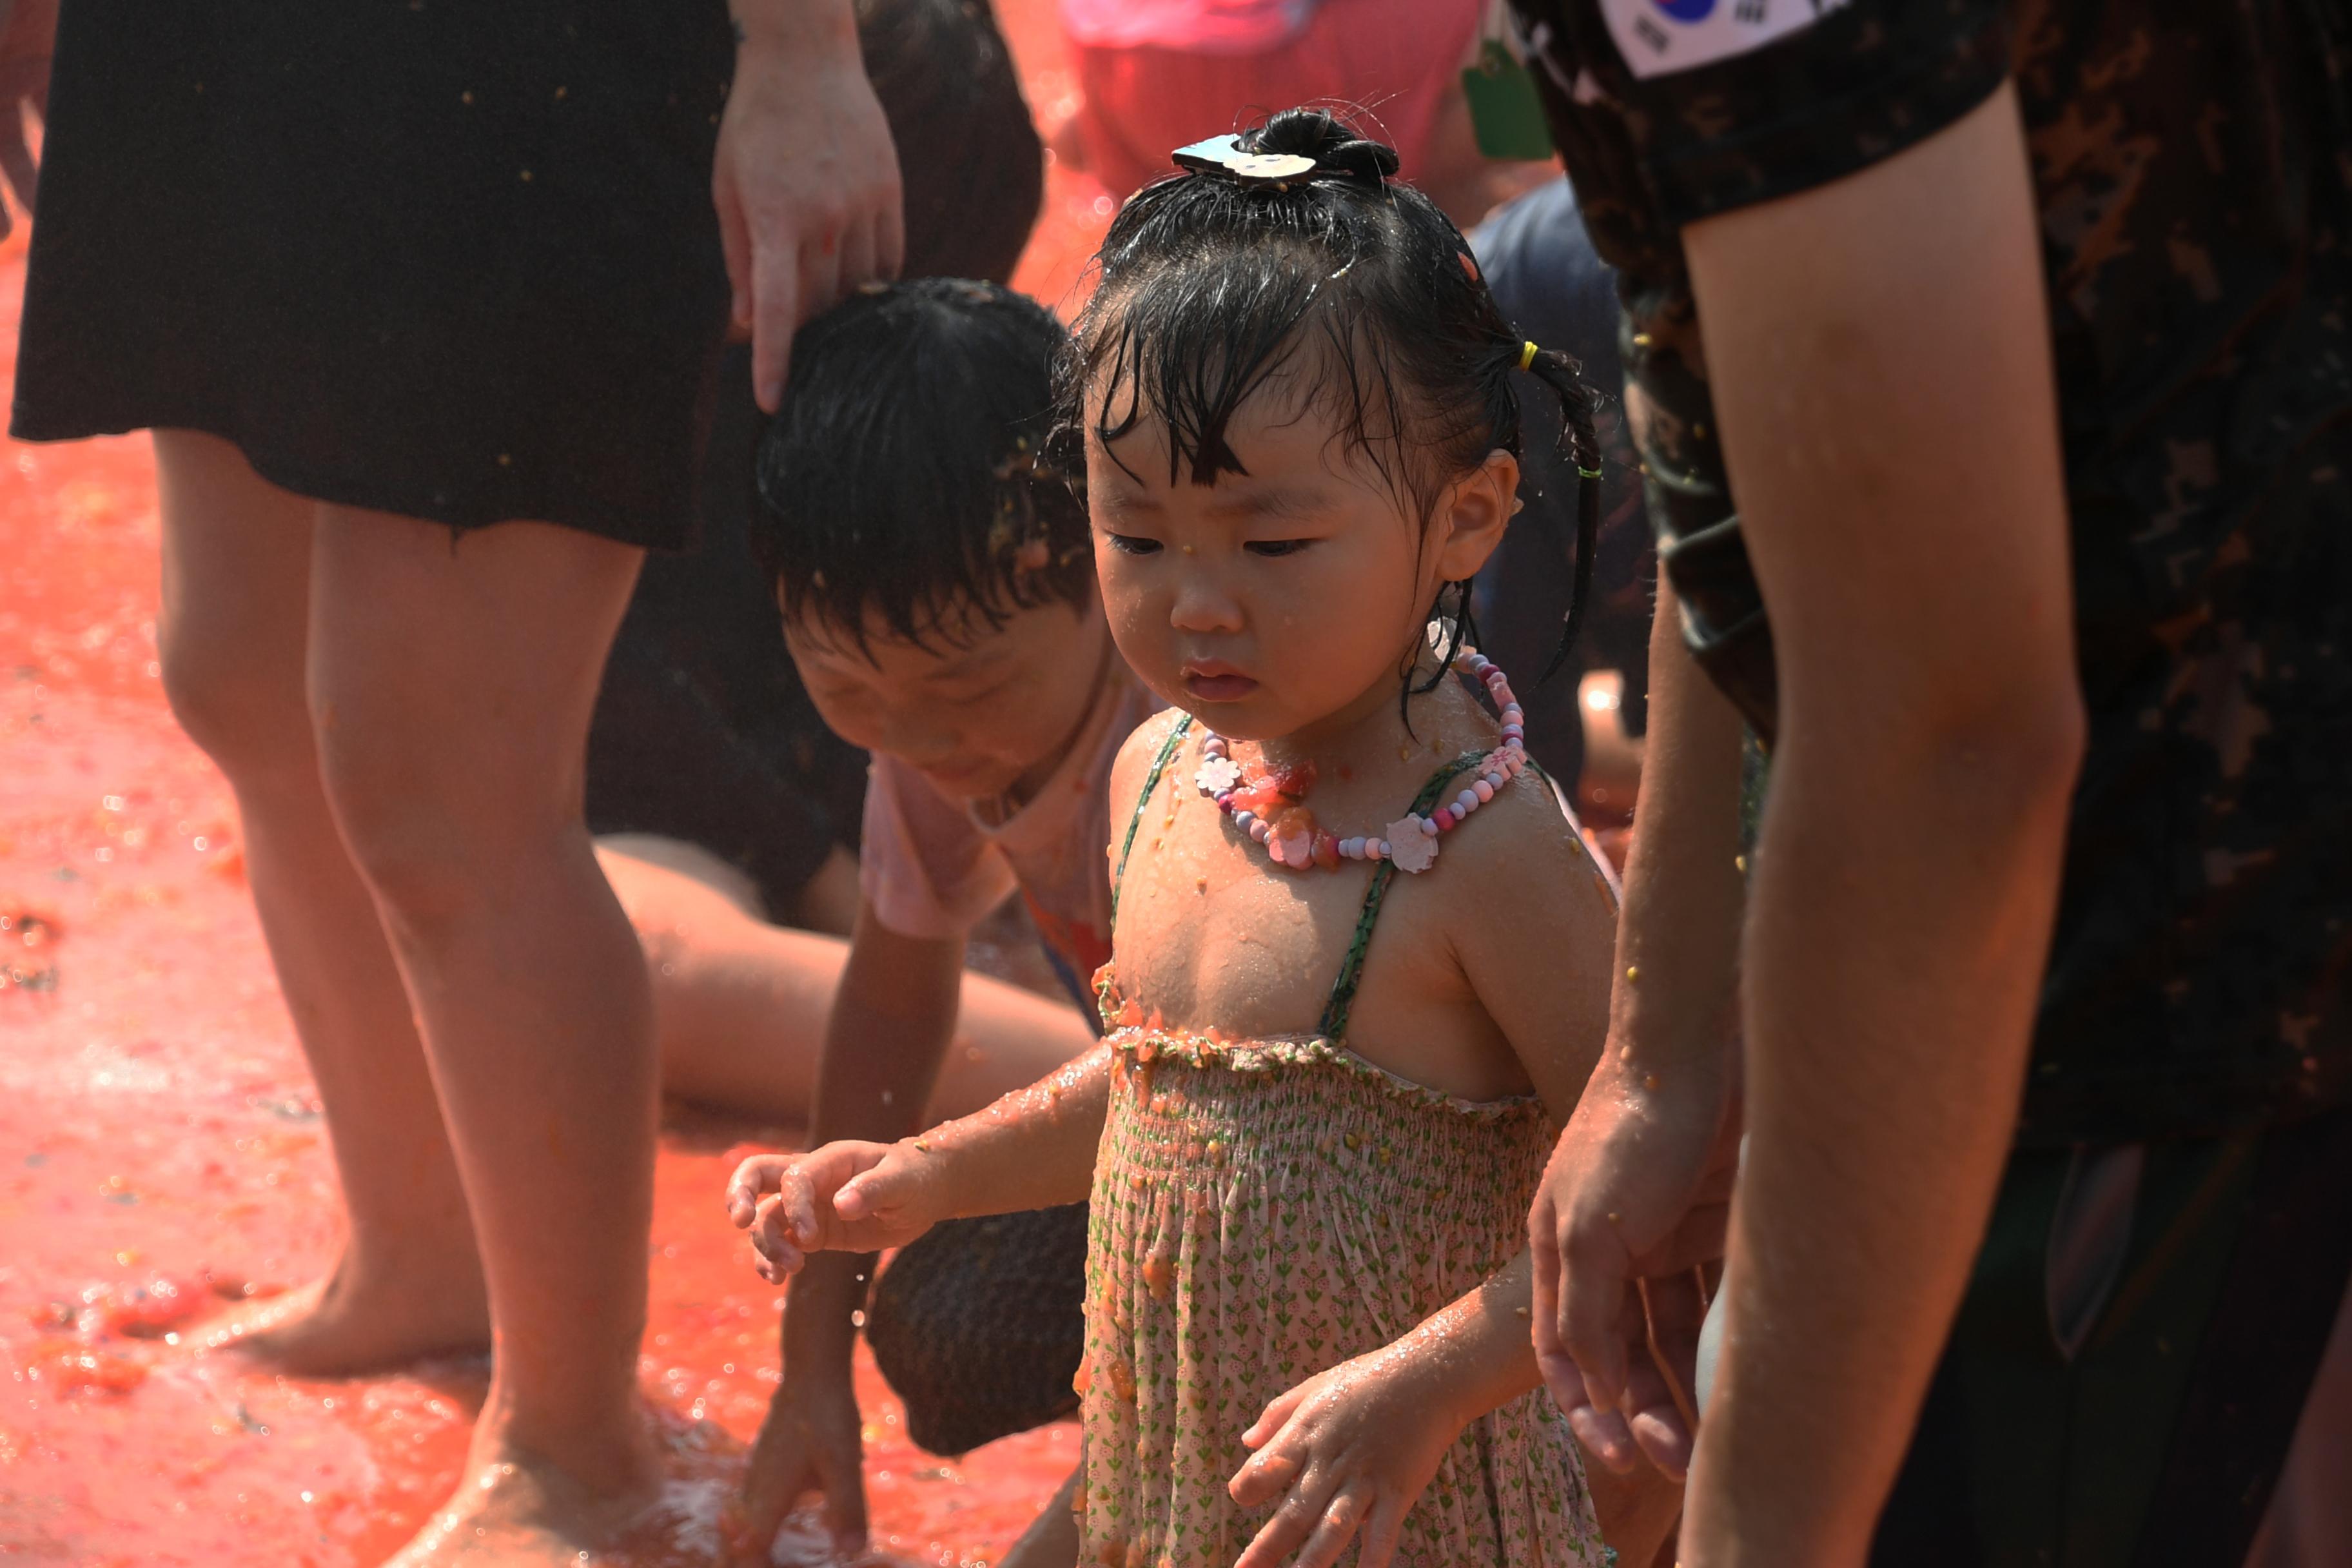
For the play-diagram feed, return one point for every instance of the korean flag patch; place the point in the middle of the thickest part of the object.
(1660, 37)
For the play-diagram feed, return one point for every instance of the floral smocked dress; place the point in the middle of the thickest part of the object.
(1264, 1210)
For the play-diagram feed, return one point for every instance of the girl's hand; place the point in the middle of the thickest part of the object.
(1354, 1448)
(844, 1197)
(806, 179)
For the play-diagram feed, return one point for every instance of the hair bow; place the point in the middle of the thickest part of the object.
(1225, 155)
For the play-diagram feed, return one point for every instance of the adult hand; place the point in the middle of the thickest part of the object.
(1349, 1450)
(810, 1442)
(806, 180)
(28, 30)
(1635, 1198)
(844, 1197)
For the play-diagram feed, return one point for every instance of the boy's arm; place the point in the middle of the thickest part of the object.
(892, 1020)
(1879, 353)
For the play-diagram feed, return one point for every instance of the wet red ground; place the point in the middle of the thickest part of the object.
(161, 1149)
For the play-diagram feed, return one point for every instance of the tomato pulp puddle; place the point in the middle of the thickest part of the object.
(161, 1149)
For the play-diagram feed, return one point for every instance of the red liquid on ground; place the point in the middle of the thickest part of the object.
(161, 1150)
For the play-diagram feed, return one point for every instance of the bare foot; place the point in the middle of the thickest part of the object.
(332, 1329)
(519, 1510)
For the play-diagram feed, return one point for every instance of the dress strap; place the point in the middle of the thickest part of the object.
(1168, 749)
(1333, 1026)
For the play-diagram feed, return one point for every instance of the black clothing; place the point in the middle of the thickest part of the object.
(2191, 169)
(455, 261)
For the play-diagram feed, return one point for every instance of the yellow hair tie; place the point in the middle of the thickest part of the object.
(1528, 353)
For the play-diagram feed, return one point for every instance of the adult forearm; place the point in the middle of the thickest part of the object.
(1670, 1009)
(795, 25)
(1880, 354)
(1899, 928)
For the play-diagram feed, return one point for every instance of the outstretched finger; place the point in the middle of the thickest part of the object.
(754, 1179)
(775, 316)
(735, 241)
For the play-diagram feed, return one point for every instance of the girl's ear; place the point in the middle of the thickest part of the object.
(1472, 513)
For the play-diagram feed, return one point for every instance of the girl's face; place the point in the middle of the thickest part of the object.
(1272, 600)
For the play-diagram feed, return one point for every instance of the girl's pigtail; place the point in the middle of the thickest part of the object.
(1581, 445)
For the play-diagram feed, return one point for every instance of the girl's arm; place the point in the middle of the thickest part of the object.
(1033, 1149)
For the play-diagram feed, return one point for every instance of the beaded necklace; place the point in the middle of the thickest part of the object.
(1270, 807)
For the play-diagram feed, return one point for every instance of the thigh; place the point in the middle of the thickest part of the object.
(453, 673)
(235, 574)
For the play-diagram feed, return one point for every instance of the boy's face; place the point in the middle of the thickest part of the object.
(982, 713)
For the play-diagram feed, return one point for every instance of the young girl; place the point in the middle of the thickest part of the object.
(1327, 1089)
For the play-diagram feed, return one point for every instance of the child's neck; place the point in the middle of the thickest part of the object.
(1367, 727)
(1039, 773)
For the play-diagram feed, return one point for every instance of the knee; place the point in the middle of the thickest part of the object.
(237, 700)
(439, 837)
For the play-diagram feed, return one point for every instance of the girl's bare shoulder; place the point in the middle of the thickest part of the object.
(1520, 858)
(1129, 769)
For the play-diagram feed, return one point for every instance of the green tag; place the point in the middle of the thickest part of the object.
(1505, 111)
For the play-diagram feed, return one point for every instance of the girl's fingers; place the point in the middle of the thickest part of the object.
(754, 1179)
(1271, 1419)
(1291, 1523)
(1265, 1477)
(1336, 1528)
(1382, 1529)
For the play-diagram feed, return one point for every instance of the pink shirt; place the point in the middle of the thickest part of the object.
(932, 866)
(1196, 26)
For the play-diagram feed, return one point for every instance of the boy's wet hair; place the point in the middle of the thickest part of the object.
(970, 163)
(1211, 286)
(905, 480)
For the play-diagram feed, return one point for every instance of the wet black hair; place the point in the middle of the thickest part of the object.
(905, 473)
(970, 162)
(1210, 285)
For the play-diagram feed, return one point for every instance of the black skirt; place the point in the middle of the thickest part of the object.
(442, 258)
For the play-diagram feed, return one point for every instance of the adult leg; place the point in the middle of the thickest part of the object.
(740, 1003)
(451, 680)
(236, 588)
